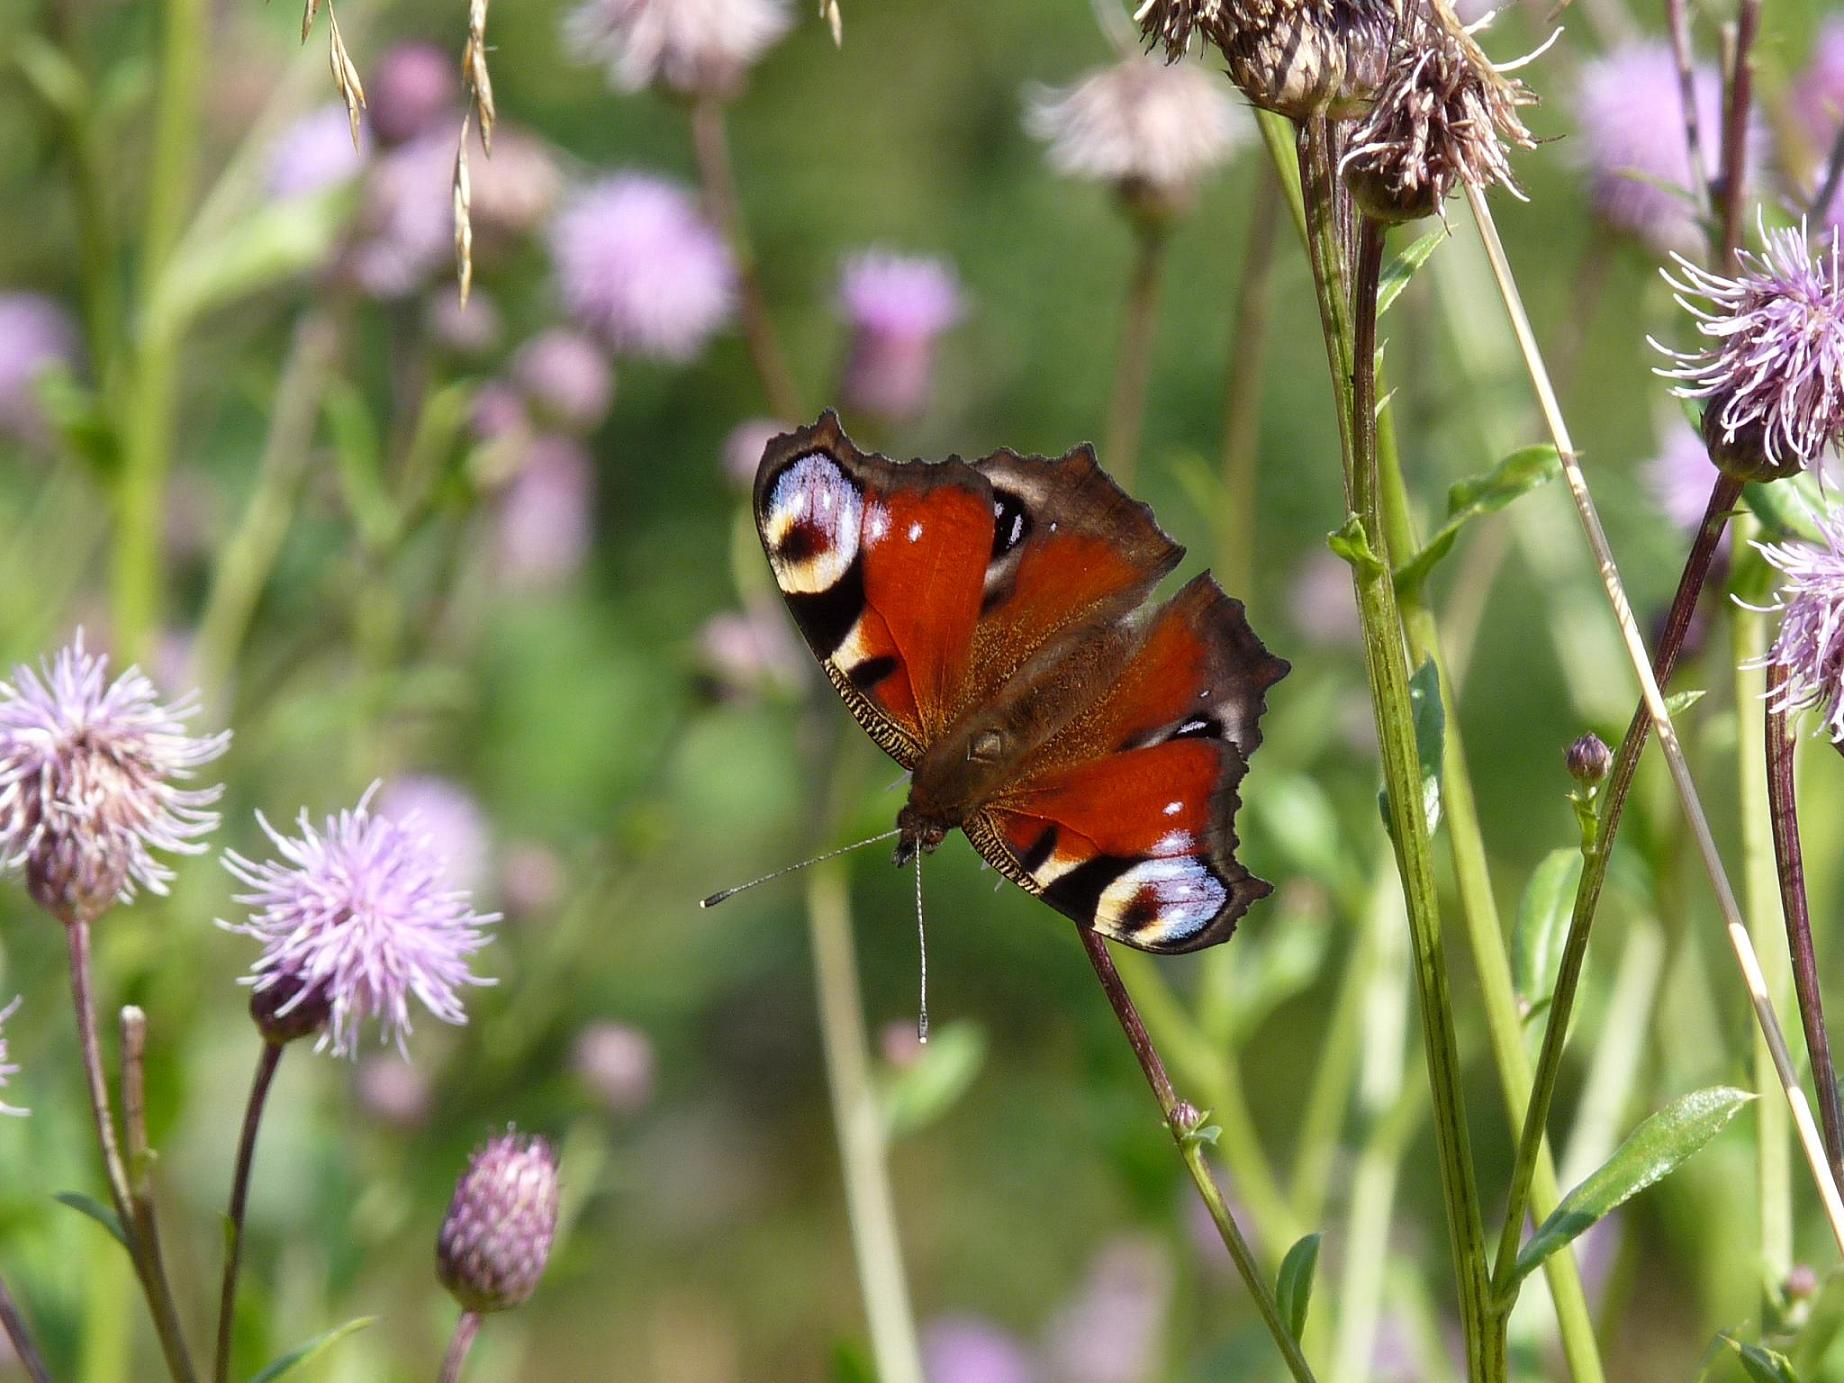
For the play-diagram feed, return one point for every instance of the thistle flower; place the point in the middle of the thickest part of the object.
(1631, 112)
(315, 153)
(896, 306)
(36, 336)
(1151, 128)
(750, 654)
(1588, 759)
(392, 1091)
(639, 266)
(969, 1349)
(615, 1062)
(497, 1235)
(362, 906)
(1680, 475)
(1773, 373)
(7, 1069)
(470, 329)
(696, 47)
(1300, 58)
(416, 89)
(546, 519)
(90, 774)
(1109, 1332)
(1809, 646)
(448, 816)
(1442, 117)
(566, 378)
(744, 446)
(1817, 96)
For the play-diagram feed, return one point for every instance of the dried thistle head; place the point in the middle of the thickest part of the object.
(1299, 58)
(1443, 116)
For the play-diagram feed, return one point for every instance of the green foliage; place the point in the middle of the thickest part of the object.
(1293, 1289)
(307, 1351)
(1518, 474)
(1542, 926)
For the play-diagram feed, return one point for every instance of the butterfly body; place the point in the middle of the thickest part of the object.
(987, 624)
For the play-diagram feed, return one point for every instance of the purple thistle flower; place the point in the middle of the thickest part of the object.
(640, 266)
(392, 1091)
(697, 47)
(416, 89)
(471, 330)
(566, 377)
(497, 1235)
(546, 519)
(969, 1349)
(447, 814)
(1809, 647)
(36, 336)
(615, 1062)
(7, 1069)
(89, 783)
(1680, 476)
(314, 154)
(1633, 145)
(1143, 124)
(744, 446)
(362, 908)
(1109, 1332)
(1773, 374)
(750, 653)
(1817, 96)
(896, 306)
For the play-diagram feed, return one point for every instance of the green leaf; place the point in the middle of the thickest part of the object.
(96, 1210)
(1542, 925)
(360, 457)
(1518, 474)
(1785, 507)
(300, 1354)
(1679, 702)
(1351, 543)
(940, 1075)
(1293, 1289)
(1430, 739)
(1651, 1152)
(1402, 268)
(1762, 1365)
(851, 1363)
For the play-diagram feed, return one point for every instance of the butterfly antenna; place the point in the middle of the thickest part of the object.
(922, 943)
(724, 893)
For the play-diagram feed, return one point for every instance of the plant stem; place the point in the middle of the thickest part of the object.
(140, 1163)
(1595, 858)
(1735, 131)
(1783, 812)
(159, 1298)
(1133, 364)
(1773, 1164)
(1389, 687)
(20, 1335)
(1678, 21)
(239, 1199)
(458, 1345)
(1242, 391)
(1183, 1121)
(711, 147)
(1828, 183)
(862, 1148)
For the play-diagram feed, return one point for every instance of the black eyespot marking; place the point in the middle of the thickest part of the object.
(826, 617)
(1041, 850)
(1010, 523)
(870, 672)
(802, 542)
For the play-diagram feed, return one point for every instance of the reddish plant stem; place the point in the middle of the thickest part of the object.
(239, 1201)
(1735, 131)
(13, 1323)
(1783, 813)
(462, 1341)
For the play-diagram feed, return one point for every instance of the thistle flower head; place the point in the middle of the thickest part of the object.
(546, 517)
(1442, 117)
(1630, 107)
(315, 153)
(497, 1235)
(896, 305)
(1772, 373)
(36, 335)
(640, 266)
(566, 378)
(1817, 96)
(1149, 127)
(416, 88)
(615, 1063)
(360, 909)
(7, 1069)
(446, 814)
(1300, 58)
(1679, 476)
(1809, 646)
(698, 47)
(1588, 759)
(90, 782)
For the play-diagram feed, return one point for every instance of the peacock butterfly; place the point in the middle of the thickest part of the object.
(986, 624)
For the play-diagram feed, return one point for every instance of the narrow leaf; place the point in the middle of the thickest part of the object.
(1402, 268)
(96, 1210)
(300, 1354)
(1518, 474)
(1293, 1290)
(1651, 1152)
(1542, 925)
(1761, 1364)
(1679, 702)
(1430, 735)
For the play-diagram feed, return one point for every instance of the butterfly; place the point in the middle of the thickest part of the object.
(987, 623)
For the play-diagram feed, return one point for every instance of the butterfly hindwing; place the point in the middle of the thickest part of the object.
(1126, 820)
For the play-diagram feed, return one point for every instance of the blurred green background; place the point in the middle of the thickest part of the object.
(619, 778)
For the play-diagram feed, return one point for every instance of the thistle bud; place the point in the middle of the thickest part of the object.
(497, 1236)
(1742, 451)
(1300, 58)
(290, 1008)
(1588, 760)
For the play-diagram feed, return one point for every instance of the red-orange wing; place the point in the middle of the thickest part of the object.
(1125, 821)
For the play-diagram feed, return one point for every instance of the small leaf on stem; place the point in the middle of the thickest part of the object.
(1293, 1289)
(1542, 923)
(96, 1210)
(300, 1354)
